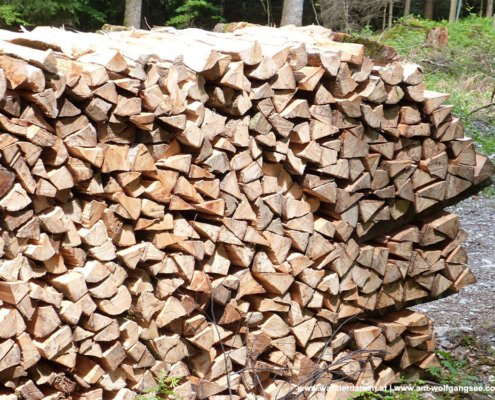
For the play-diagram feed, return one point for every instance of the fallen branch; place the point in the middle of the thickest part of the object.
(436, 64)
(482, 108)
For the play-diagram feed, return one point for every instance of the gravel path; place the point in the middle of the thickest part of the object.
(473, 309)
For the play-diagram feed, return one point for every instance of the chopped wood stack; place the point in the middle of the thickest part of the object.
(372, 353)
(170, 197)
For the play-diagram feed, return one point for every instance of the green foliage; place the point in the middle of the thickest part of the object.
(165, 388)
(435, 371)
(489, 192)
(455, 372)
(484, 139)
(468, 340)
(77, 7)
(367, 32)
(131, 316)
(10, 16)
(196, 13)
(447, 361)
(48, 12)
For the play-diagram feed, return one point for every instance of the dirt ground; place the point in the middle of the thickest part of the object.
(472, 311)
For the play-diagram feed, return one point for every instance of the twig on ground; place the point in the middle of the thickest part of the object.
(410, 47)
(433, 383)
(148, 25)
(435, 64)
(383, 33)
(482, 108)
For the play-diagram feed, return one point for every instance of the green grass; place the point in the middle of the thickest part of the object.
(489, 192)
(465, 69)
(164, 389)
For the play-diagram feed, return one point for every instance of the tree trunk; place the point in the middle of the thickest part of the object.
(346, 13)
(489, 8)
(407, 8)
(453, 10)
(391, 14)
(384, 16)
(132, 17)
(429, 9)
(292, 13)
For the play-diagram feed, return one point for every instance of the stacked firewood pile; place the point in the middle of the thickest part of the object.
(251, 212)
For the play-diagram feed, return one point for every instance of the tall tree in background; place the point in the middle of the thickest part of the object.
(390, 14)
(453, 11)
(489, 8)
(292, 13)
(339, 15)
(407, 8)
(132, 16)
(429, 9)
